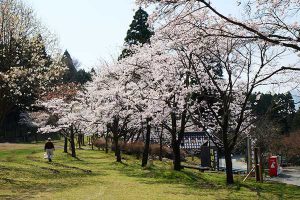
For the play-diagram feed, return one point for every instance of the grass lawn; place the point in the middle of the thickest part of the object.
(24, 174)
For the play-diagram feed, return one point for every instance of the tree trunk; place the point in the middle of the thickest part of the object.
(161, 145)
(125, 139)
(66, 145)
(115, 132)
(140, 131)
(227, 148)
(106, 144)
(117, 149)
(72, 142)
(138, 136)
(228, 161)
(106, 139)
(79, 141)
(5, 108)
(83, 143)
(2, 117)
(175, 144)
(176, 154)
(147, 144)
(92, 141)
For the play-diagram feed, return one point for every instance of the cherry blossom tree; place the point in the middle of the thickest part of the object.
(71, 118)
(244, 49)
(111, 108)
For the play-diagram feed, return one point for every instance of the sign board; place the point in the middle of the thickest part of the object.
(209, 157)
(194, 140)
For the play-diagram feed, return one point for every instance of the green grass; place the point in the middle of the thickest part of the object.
(24, 174)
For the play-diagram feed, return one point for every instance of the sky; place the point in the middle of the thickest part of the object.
(91, 30)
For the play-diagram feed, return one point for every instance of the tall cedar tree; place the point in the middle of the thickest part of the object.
(138, 33)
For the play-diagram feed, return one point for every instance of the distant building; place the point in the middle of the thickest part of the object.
(194, 140)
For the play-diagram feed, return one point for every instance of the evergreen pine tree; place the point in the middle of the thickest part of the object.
(82, 76)
(73, 75)
(138, 33)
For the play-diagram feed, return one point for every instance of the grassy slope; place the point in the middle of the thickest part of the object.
(24, 174)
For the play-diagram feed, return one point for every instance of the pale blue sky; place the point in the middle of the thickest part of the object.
(91, 30)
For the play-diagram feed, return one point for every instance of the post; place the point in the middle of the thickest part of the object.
(257, 173)
(260, 165)
(249, 156)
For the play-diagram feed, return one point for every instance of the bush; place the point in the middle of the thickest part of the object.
(135, 148)
(100, 143)
(290, 147)
(183, 155)
(120, 144)
(155, 149)
(167, 152)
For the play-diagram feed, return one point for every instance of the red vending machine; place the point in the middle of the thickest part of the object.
(273, 166)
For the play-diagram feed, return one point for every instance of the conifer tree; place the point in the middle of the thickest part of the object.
(71, 71)
(73, 75)
(138, 33)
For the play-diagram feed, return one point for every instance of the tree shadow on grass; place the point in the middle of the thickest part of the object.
(27, 181)
(281, 190)
(199, 180)
(27, 174)
(57, 164)
(154, 175)
(26, 189)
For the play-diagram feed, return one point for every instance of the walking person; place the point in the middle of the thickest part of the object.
(49, 148)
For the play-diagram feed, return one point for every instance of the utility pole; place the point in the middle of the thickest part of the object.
(258, 165)
(249, 155)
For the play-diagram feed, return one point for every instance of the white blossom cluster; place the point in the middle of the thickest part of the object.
(273, 21)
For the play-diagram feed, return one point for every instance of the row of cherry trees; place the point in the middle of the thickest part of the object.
(163, 84)
(198, 70)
